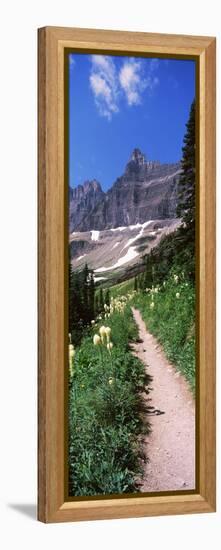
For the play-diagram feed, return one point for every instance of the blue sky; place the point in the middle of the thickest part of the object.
(119, 103)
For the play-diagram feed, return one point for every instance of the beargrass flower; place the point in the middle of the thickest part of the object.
(110, 381)
(96, 340)
(110, 346)
(71, 350)
(71, 359)
(102, 331)
(177, 295)
(107, 333)
(152, 305)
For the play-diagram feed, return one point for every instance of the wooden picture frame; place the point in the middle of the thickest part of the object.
(53, 505)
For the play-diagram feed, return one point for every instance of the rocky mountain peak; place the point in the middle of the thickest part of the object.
(83, 200)
(91, 185)
(138, 164)
(138, 157)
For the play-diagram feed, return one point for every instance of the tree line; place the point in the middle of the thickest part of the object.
(85, 301)
(178, 248)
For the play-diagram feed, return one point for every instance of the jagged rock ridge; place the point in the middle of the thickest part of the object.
(83, 200)
(146, 191)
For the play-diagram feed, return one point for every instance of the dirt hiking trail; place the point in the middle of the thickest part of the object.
(171, 445)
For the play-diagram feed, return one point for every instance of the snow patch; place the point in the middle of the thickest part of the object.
(116, 244)
(80, 257)
(95, 235)
(130, 255)
(96, 279)
(139, 225)
(119, 228)
(131, 227)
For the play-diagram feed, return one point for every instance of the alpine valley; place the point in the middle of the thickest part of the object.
(113, 231)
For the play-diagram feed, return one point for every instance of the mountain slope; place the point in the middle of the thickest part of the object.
(113, 231)
(146, 191)
(83, 199)
(116, 254)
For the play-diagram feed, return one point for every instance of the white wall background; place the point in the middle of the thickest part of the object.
(18, 205)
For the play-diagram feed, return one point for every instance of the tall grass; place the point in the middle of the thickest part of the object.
(169, 313)
(107, 412)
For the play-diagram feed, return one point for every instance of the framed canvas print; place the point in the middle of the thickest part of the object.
(126, 274)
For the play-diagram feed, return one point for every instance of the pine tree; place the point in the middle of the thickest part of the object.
(101, 300)
(107, 297)
(96, 304)
(186, 197)
(76, 307)
(91, 292)
(85, 294)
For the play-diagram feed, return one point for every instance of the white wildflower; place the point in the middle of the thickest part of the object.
(110, 346)
(97, 340)
(107, 333)
(102, 331)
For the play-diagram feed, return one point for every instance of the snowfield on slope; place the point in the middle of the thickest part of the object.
(130, 255)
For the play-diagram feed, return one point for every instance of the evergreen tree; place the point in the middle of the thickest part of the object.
(96, 304)
(101, 300)
(107, 297)
(85, 294)
(91, 297)
(148, 274)
(81, 302)
(186, 197)
(76, 307)
(135, 283)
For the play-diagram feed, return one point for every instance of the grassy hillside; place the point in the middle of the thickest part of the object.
(122, 288)
(169, 313)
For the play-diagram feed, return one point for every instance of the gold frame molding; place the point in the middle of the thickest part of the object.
(53, 506)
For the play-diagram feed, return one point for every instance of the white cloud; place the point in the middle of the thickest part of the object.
(103, 82)
(134, 79)
(131, 81)
(110, 85)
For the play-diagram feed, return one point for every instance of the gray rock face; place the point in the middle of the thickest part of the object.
(146, 191)
(82, 200)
